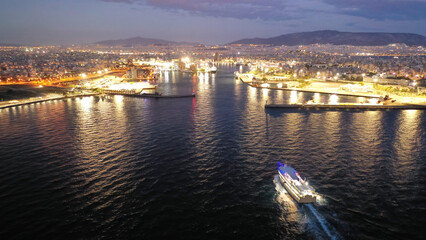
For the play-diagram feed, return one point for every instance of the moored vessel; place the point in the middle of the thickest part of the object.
(213, 69)
(297, 187)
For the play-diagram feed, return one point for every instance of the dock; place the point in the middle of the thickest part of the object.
(245, 79)
(46, 100)
(151, 95)
(316, 91)
(348, 106)
(146, 95)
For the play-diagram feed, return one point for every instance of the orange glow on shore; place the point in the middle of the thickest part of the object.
(52, 81)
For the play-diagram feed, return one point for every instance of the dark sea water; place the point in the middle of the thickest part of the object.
(205, 168)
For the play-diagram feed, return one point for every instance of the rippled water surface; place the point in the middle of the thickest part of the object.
(205, 168)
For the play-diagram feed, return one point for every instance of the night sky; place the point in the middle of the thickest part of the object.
(204, 21)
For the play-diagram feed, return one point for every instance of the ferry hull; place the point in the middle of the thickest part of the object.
(294, 194)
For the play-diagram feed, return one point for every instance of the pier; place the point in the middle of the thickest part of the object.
(316, 91)
(111, 92)
(131, 93)
(46, 100)
(245, 79)
(348, 106)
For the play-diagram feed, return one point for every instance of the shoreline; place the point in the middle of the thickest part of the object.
(91, 95)
(316, 91)
(309, 90)
(400, 99)
(348, 106)
(46, 100)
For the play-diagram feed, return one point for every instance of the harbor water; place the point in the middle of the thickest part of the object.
(117, 167)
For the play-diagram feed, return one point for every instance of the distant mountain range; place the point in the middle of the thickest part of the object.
(138, 41)
(10, 45)
(339, 38)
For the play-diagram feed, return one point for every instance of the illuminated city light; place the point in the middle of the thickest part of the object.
(334, 99)
(186, 60)
(317, 97)
(373, 100)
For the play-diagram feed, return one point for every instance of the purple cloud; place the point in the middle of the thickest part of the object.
(268, 9)
(287, 9)
(382, 9)
(239, 9)
(119, 1)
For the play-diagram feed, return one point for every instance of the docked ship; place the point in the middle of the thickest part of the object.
(236, 74)
(213, 69)
(298, 188)
(207, 69)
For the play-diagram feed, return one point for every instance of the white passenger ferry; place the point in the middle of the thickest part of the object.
(298, 188)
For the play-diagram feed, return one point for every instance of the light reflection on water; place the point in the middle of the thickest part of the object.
(213, 79)
(99, 143)
(86, 103)
(265, 96)
(166, 76)
(294, 97)
(407, 142)
(203, 167)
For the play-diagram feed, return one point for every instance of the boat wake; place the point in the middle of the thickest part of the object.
(321, 201)
(283, 197)
(308, 216)
(280, 189)
(326, 227)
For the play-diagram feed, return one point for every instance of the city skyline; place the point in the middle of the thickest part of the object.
(206, 21)
(213, 119)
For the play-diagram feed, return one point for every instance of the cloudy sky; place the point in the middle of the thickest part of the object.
(204, 21)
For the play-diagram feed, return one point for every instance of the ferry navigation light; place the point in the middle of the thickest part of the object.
(186, 59)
